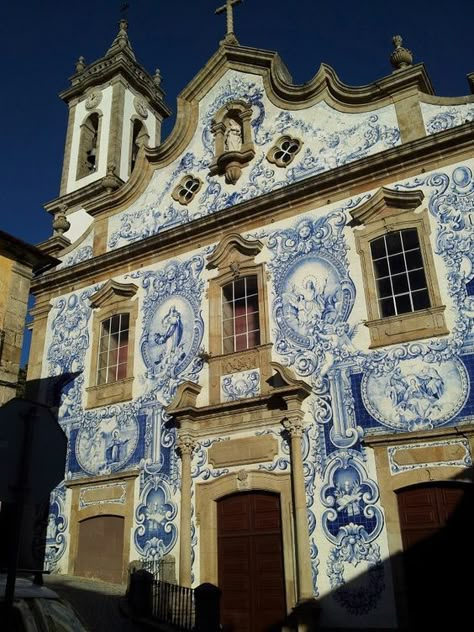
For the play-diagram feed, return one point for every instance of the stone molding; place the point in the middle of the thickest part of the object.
(396, 163)
(282, 401)
(243, 451)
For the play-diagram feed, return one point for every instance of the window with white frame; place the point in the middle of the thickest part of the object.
(113, 349)
(399, 273)
(240, 316)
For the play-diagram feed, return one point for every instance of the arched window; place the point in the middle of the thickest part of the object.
(139, 138)
(88, 146)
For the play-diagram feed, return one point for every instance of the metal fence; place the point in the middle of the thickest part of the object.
(152, 566)
(173, 604)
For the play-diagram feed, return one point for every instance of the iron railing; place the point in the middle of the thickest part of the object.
(173, 604)
(152, 566)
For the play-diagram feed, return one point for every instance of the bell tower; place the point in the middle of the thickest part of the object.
(115, 106)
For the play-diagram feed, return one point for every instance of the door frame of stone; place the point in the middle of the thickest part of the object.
(207, 496)
(109, 495)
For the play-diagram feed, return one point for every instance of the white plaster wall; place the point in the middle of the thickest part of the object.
(105, 108)
(80, 221)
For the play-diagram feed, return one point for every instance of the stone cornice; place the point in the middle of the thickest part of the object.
(386, 200)
(116, 477)
(282, 402)
(111, 65)
(385, 439)
(422, 154)
(93, 191)
(325, 85)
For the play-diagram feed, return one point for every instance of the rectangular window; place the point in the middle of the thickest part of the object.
(113, 349)
(240, 320)
(399, 273)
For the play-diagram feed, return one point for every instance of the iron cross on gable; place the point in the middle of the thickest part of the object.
(228, 7)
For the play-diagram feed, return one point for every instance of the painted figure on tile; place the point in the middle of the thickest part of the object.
(51, 528)
(171, 338)
(414, 397)
(348, 497)
(115, 449)
(232, 135)
(154, 515)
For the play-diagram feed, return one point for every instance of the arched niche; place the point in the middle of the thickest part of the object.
(233, 143)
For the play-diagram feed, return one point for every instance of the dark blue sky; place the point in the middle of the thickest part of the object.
(41, 40)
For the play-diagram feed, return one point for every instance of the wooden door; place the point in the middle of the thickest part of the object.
(424, 510)
(100, 548)
(250, 559)
(436, 522)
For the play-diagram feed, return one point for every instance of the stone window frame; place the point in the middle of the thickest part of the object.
(390, 211)
(177, 194)
(234, 258)
(277, 147)
(230, 163)
(113, 299)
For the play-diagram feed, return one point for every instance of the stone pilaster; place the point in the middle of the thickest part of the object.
(294, 427)
(40, 314)
(185, 446)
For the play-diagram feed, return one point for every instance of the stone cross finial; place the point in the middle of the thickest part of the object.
(228, 7)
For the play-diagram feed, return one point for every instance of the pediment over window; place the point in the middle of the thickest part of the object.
(113, 292)
(385, 203)
(233, 250)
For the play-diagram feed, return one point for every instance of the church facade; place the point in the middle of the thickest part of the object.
(266, 323)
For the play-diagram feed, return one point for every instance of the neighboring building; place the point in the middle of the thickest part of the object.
(18, 261)
(270, 321)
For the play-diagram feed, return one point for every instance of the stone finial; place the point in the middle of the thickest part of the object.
(80, 64)
(60, 223)
(157, 78)
(111, 181)
(121, 41)
(401, 57)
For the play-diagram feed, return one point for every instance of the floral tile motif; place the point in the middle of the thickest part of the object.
(437, 118)
(240, 385)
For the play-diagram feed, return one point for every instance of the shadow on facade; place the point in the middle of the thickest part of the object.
(46, 391)
(431, 578)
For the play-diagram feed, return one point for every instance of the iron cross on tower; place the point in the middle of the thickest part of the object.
(228, 7)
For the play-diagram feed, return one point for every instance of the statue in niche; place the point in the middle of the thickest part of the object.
(232, 135)
(233, 144)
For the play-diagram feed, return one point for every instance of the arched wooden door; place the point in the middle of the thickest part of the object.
(250, 561)
(100, 548)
